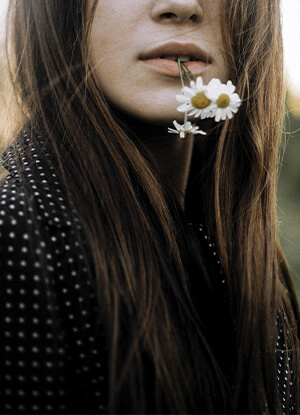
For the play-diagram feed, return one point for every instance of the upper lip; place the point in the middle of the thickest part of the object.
(177, 48)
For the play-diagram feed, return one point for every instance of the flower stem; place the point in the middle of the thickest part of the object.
(180, 66)
(180, 72)
(188, 73)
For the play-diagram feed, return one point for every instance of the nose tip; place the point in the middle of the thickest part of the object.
(177, 11)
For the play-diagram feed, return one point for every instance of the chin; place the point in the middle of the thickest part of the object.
(158, 117)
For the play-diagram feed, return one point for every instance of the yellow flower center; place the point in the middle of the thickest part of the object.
(223, 101)
(200, 101)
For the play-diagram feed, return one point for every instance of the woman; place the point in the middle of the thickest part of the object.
(112, 294)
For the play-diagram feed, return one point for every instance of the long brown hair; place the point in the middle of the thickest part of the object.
(130, 217)
(246, 209)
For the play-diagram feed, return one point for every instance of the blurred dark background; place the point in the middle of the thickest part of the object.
(288, 199)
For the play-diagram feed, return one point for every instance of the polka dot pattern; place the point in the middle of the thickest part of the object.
(285, 373)
(52, 354)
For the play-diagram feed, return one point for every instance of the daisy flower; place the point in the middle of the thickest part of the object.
(215, 100)
(194, 99)
(224, 101)
(184, 129)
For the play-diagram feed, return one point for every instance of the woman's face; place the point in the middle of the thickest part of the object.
(134, 42)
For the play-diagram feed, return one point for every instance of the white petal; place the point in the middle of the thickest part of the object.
(214, 89)
(189, 91)
(230, 87)
(204, 115)
(223, 115)
(193, 85)
(183, 108)
(183, 98)
(218, 115)
(214, 83)
(199, 83)
(226, 113)
(172, 131)
(199, 132)
(177, 125)
(195, 112)
(235, 98)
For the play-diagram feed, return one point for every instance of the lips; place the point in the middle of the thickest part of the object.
(163, 59)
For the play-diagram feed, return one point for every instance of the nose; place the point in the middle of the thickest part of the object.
(177, 11)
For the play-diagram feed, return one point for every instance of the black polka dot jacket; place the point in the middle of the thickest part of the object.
(52, 354)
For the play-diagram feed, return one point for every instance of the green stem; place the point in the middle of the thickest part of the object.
(185, 119)
(182, 83)
(188, 73)
(180, 72)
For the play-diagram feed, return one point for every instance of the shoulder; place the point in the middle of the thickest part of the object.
(42, 247)
(36, 219)
(25, 238)
(33, 182)
(16, 222)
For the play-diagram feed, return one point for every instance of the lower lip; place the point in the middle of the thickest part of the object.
(170, 68)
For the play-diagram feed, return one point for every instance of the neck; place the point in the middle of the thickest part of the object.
(171, 153)
(173, 156)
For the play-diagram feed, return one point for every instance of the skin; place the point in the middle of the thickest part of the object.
(123, 33)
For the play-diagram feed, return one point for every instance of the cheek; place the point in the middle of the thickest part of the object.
(214, 38)
(109, 67)
(112, 57)
(103, 57)
(109, 47)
